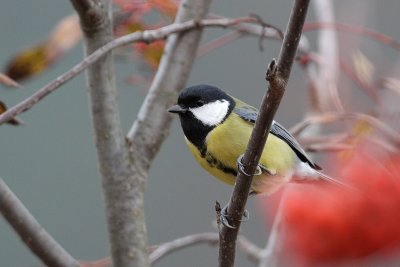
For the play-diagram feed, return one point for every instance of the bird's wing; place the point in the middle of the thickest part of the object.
(249, 114)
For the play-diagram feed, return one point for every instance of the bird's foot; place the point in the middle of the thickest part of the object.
(260, 168)
(225, 220)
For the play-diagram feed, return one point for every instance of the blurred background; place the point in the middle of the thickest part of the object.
(50, 161)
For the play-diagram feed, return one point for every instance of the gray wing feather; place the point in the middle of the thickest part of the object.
(250, 114)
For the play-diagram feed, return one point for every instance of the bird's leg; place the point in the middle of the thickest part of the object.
(224, 217)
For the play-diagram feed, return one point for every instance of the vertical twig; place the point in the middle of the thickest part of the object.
(324, 79)
(269, 257)
(277, 76)
(122, 190)
(153, 122)
(31, 232)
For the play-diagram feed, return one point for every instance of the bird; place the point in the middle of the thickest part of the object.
(217, 128)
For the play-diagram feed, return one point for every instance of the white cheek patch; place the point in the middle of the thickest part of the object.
(212, 113)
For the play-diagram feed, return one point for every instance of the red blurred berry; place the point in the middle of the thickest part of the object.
(331, 226)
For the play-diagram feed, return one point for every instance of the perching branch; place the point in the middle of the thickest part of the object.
(140, 36)
(277, 76)
(323, 97)
(31, 232)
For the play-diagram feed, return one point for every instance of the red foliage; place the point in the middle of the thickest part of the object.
(146, 15)
(331, 225)
(151, 52)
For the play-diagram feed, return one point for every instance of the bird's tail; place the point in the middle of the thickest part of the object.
(333, 181)
(305, 174)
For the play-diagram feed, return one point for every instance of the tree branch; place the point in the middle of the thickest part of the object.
(249, 249)
(277, 76)
(325, 96)
(31, 232)
(183, 242)
(355, 29)
(140, 36)
(123, 194)
(152, 124)
(157, 252)
(272, 248)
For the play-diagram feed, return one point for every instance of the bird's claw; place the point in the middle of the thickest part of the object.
(224, 217)
(240, 167)
(260, 168)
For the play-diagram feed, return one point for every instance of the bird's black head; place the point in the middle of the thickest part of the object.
(200, 109)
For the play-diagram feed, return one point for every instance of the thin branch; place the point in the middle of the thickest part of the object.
(31, 232)
(328, 147)
(157, 252)
(327, 143)
(391, 134)
(183, 242)
(326, 94)
(332, 138)
(367, 88)
(277, 76)
(252, 252)
(298, 128)
(142, 36)
(218, 42)
(270, 32)
(273, 245)
(355, 29)
(106, 262)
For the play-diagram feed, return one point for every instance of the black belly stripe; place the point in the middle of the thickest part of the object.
(214, 163)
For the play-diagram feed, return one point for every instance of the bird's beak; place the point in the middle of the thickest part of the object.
(177, 109)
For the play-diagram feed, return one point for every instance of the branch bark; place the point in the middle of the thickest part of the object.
(277, 76)
(31, 232)
(123, 193)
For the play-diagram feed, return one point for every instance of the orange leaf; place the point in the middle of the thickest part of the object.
(63, 37)
(27, 63)
(36, 59)
(151, 53)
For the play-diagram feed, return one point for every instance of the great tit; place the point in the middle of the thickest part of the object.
(217, 128)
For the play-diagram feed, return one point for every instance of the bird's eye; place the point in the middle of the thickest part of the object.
(199, 103)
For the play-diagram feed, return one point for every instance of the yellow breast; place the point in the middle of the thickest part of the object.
(228, 141)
